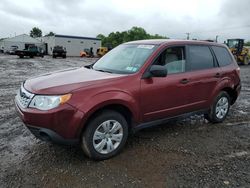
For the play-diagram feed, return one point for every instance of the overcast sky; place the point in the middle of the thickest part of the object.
(204, 19)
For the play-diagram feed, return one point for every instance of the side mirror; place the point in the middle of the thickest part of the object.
(158, 71)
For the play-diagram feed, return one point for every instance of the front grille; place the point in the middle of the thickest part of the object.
(24, 97)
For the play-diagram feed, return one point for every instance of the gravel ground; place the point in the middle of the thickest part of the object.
(188, 153)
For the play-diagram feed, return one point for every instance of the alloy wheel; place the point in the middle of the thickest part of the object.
(221, 108)
(108, 136)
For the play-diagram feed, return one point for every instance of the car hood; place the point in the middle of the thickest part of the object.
(65, 81)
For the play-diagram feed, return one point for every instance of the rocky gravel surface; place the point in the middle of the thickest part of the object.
(187, 153)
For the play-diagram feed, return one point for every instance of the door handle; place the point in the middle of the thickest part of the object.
(184, 81)
(217, 75)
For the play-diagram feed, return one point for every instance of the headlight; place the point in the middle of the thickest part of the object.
(43, 102)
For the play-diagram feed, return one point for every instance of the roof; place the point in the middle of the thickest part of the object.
(173, 41)
(76, 37)
(236, 39)
(22, 38)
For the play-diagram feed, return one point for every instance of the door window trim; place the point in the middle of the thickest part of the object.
(216, 63)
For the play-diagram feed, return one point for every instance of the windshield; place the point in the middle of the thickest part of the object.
(58, 48)
(124, 59)
(232, 43)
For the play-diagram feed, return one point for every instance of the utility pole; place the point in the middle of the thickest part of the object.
(188, 35)
(216, 38)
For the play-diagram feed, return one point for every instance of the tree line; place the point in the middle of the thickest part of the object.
(135, 33)
(247, 43)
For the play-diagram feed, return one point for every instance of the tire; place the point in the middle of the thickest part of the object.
(31, 56)
(246, 60)
(21, 56)
(95, 145)
(54, 56)
(64, 57)
(219, 109)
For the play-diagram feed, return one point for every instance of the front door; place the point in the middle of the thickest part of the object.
(163, 97)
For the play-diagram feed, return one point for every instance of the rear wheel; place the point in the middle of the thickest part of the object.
(219, 109)
(105, 135)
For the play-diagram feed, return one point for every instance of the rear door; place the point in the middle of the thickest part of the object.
(204, 75)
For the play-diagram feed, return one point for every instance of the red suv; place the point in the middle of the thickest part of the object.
(136, 85)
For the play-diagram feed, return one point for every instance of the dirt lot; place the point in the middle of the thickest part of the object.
(189, 153)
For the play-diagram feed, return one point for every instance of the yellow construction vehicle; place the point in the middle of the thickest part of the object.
(241, 53)
(102, 51)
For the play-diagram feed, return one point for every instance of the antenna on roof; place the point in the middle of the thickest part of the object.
(188, 35)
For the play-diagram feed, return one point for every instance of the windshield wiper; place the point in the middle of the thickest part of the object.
(101, 70)
(89, 66)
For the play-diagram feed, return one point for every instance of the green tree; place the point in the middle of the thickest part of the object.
(100, 36)
(50, 34)
(137, 33)
(35, 32)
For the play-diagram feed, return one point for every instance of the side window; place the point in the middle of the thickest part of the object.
(173, 59)
(222, 55)
(200, 57)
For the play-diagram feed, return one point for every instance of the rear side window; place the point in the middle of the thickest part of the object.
(222, 55)
(200, 57)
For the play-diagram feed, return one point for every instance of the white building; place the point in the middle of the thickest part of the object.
(73, 44)
(21, 41)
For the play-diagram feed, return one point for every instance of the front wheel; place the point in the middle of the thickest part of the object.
(105, 135)
(219, 109)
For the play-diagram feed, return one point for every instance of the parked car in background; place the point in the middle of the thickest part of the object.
(31, 52)
(136, 85)
(12, 50)
(59, 51)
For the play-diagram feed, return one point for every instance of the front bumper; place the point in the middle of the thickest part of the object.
(59, 54)
(50, 136)
(60, 125)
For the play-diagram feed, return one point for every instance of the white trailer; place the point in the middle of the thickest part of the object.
(21, 41)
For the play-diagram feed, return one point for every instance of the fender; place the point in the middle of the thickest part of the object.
(105, 98)
(224, 83)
